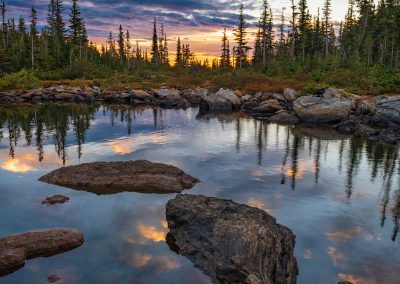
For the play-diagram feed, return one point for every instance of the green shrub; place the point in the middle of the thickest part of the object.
(22, 80)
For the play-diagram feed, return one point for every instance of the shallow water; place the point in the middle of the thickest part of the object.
(339, 195)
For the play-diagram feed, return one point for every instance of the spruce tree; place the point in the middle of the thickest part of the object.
(121, 44)
(155, 52)
(240, 33)
(225, 53)
(33, 34)
(326, 18)
(178, 57)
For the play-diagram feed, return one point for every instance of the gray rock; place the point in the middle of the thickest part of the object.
(278, 97)
(114, 177)
(230, 96)
(266, 109)
(321, 110)
(332, 93)
(140, 94)
(223, 100)
(162, 93)
(387, 110)
(15, 250)
(230, 242)
(365, 108)
(290, 95)
(285, 118)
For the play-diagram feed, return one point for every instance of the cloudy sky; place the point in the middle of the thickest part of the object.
(198, 22)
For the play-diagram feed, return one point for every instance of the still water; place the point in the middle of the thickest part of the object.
(339, 195)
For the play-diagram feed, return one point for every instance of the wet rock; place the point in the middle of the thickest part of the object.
(53, 278)
(285, 118)
(321, 110)
(266, 109)
(319, 132)
(387, 136)
(15, 250)
(140, 95)
(347, 127)
(250, 104)
(230, 242)
(192, 97)
(387, 110)
(114, 177)
(55, 199)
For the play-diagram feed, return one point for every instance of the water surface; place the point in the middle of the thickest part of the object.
(339, 195)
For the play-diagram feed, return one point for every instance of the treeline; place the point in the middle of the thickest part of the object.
(65, 44)
(368, 35)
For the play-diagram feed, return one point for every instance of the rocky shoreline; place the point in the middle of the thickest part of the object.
(376, 117)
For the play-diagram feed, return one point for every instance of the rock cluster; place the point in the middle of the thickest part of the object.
(230, 242)
(114, 177)
(15, 250)
(350, 113)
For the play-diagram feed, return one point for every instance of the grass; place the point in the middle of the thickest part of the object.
(363, 81)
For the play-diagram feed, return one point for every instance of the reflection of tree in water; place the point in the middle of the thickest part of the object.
(383, 161)
(45, 120)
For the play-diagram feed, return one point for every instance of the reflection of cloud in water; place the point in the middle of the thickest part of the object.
(345, 235)
(337, 256)
(157, 263)
(302, 168)
(25, 160)
(355, 279)
(151, 232)
(307, 254)
(260, 204)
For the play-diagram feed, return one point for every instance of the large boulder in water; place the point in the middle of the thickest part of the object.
(321, 110)
(387, 110)
(114, 177)
(223, 100)
(230, 242)
(15, 250)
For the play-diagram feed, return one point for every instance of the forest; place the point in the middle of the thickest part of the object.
(303, 51)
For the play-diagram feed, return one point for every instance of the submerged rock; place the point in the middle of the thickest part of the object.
(285, 118)
(53, 278)
(55, 199)
(232, 243)
(114, 177)
(322, 110)
(15, 250)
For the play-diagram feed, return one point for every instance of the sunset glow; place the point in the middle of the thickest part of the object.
(198, 23)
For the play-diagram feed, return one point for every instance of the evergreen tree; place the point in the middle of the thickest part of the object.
(240, 33)
(121, 44)
(33, 34)
(77, 32)
(326, 19)
(225, 60)
(155, 52)
(178, 57)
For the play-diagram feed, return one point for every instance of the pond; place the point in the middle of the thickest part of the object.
(339, 195)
